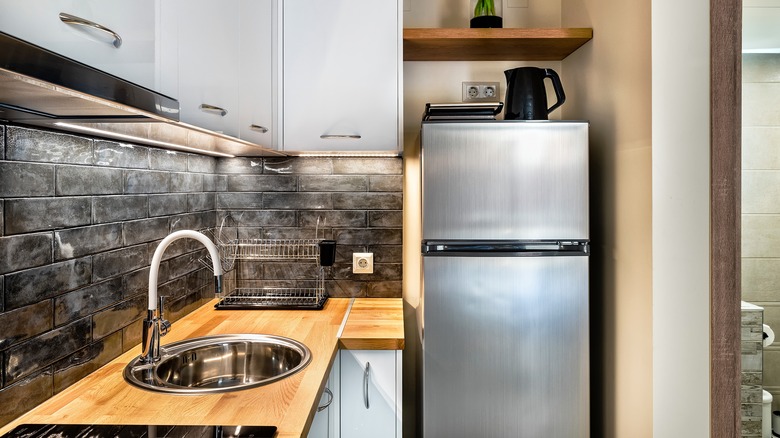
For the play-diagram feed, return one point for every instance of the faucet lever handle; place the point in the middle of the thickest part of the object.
(160, 306)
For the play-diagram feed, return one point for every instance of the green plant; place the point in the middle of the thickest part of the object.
(484, 7)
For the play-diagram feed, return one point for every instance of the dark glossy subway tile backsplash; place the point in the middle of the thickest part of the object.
(80, 219)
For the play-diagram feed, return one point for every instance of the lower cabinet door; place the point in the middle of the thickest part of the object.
(325, 421)
(370, 394)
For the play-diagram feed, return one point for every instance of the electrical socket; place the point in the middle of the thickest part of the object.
(363, 263)
(480, 92)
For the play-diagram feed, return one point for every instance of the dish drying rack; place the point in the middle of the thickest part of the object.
(246, 294)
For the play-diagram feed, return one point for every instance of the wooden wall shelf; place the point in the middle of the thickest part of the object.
(436, 44)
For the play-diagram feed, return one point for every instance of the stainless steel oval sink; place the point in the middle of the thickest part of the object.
(219, 364)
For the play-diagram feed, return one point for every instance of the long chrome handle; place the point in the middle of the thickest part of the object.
(366, 377)
(259, 128)
(339, 136)
(330, 400)
(78, 21)
(206, 107)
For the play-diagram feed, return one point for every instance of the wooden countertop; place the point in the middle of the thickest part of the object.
(104, 397)
(374, 324)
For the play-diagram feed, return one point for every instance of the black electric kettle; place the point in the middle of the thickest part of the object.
(526, 97)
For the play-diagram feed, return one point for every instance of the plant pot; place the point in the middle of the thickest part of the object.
(485, 21)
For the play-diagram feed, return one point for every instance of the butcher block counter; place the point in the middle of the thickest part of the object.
(104, 397)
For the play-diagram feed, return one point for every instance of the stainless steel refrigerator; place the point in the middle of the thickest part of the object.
(505, 279)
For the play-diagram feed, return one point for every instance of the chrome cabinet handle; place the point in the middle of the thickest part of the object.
(366, 376)
(330, 400)
(78, 21)
(338, 136)
(258, 128)
(206, 107)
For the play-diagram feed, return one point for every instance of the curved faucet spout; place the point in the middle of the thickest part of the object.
(155, 326)
(157, 258)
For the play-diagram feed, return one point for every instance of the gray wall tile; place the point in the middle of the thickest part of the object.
(2, 142)
(137, 181)
(114, 318)
(26, 179)
(30, 286)
(392, 183)
(70, 369)
(186, 182)
(119, 208)
(2, 218)
(78, 242)
(210, 183)
(333, 183)
(386, 219)
(83, 180)
(761, 190)
(299, 166)
(261, 183)
(24, 144)
(113, 154)
(25, 323)
(259, 218)
(760, 67)
(25, 251)
(145, 230)
(83, 302)
(24, 395)
(760, 147)
(349, 218)
(113, 263)
(37, 214)
(163, 205)
(23, 359)
(239, 200)
(201, 163)
(378, 166)
(240, 165)
(162, 159)
(369, 237)
(201, 201)
(192, 221)
(367, 201)
(298, 201)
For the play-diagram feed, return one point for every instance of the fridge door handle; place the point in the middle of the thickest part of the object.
(366, 378)
(509, 248)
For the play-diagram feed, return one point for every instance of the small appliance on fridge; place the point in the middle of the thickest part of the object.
(505, 279)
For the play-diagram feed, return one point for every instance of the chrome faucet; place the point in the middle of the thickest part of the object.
(155, 326)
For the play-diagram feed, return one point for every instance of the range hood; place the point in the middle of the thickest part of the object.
(42, 88)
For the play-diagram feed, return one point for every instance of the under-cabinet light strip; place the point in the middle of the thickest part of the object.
(348, 155)
(140, 139)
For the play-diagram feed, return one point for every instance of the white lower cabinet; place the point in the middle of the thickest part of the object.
(366, 391)
(370, 398)
(325, 423)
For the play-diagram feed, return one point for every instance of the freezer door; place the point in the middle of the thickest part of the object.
(505, 347)
(505, 180)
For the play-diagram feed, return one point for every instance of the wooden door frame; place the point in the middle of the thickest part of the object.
(725, 216)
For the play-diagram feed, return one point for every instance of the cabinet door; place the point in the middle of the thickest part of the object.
(370, 394)
(38, 22)
(341, 74)
(200, 59)
(325, 421)
(256, 68)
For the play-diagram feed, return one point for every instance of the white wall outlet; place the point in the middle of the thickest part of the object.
(362, 262)
(480, 92)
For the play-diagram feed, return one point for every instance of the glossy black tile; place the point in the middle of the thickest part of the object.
(119, 208)
(19, 180)
(382, 183)
(201, 163)
(241, 165)
(73, 367)
(33, 285)
(298, 201)
(78, 242)
(245, 200)
(114, 318)
(41, 351)
(38, 214)
(25, 322)
(374, 236)
(186, 182)
(113, 154)
(23, 144)
(299, 166)
(145, 230)
(262, 183)
(146, 181)
(168, 204)
(257, 218)
(333, 183)
(83, 302)
(162, 159)
(386, 219)
(367, 201)
(24, 394)
(201, 201)
(84, 180)
(25, 251)
(117, 262)
(331, 218)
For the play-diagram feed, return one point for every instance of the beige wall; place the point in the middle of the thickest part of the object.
(761, 199)
(609, 85)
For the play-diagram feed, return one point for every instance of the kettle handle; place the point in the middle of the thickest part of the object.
(557, 86)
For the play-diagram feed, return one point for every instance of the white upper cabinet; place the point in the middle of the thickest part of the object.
(200, 59)
(217, 60)
(341, 75)
(116, 36)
